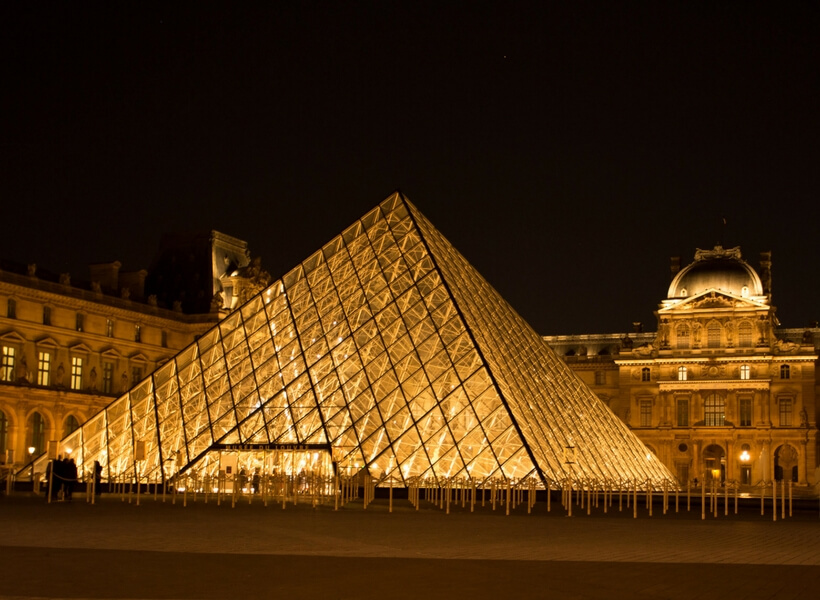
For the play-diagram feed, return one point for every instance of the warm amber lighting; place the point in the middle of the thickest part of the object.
(744, 456)
(31, 449)
(405, 363)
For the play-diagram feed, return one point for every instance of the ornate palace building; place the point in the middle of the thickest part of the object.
(69, 347)
(719, 391)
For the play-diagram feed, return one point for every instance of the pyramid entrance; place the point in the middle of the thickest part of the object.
(385, 352)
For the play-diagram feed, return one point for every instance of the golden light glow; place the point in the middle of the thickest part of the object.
(406, 363)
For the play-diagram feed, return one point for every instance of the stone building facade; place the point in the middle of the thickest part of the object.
(68, 348)
(719, 390)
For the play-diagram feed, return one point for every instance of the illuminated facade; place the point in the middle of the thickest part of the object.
(719, 391)
(385, 352)
(69, 347)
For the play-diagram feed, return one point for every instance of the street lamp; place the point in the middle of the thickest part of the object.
(745, 475)
(31, 450)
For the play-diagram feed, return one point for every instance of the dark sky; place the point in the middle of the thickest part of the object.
(566, 149)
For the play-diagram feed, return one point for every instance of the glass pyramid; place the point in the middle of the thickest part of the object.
(384, 351)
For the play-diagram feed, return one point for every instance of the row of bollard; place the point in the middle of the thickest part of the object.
(443, 493)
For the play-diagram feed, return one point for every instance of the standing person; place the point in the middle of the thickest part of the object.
(255, 481)
(50, 480)
(97, 477)
(71, 478)
(58, 473)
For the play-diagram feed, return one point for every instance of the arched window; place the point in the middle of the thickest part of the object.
(714, 410)
(745, 372)
(37, 426)
(683, 373)
(713, 335)
(785, 372)
(4, 432)
(646, 374)
(71, 425)
(682, 334)
(744, 335)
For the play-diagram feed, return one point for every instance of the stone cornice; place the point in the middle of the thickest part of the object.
(714, 384)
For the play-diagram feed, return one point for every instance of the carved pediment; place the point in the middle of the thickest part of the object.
(13, 337)
(713, 299)
(47, 342)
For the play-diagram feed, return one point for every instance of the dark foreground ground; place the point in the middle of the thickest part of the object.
(116, 549)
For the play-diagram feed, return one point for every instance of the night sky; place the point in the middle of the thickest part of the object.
(566, 149)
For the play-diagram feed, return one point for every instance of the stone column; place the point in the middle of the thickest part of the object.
(731, 459)
(802, 465)
(665, 402)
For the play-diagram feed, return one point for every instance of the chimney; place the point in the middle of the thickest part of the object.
(766, 271)
(674, 265)
(106, 274)
(134, 282)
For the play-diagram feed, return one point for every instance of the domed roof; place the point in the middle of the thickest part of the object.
(720, 269)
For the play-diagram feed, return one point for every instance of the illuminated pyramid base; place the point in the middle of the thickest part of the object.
(384, 351)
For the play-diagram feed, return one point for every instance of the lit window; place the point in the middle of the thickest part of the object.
(108, 378)
(37, 427)
(683, 336)
(46, 315)
(683, 412)
(7, 366)
(714, 411)
(745, 412)
(80, 321)
(11, 309)
(744, 335)
(43, 368)
(137, 333)
(786, 412)
(713, 335)
(745, 372)
(683, 374)
(785, 372)
(4, 433)
(71, 425)
(76, 373)
(646, 413)
(646, 374)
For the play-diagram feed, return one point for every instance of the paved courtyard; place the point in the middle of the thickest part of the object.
(116, 549)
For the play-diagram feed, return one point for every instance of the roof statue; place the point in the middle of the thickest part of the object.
(384, 351)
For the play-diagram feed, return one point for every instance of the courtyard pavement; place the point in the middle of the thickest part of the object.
(116, 549)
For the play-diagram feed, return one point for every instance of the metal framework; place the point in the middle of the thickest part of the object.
(384, 352)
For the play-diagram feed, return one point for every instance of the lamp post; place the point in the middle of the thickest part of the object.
(31, 450)
(744, 469)
(569, 460)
